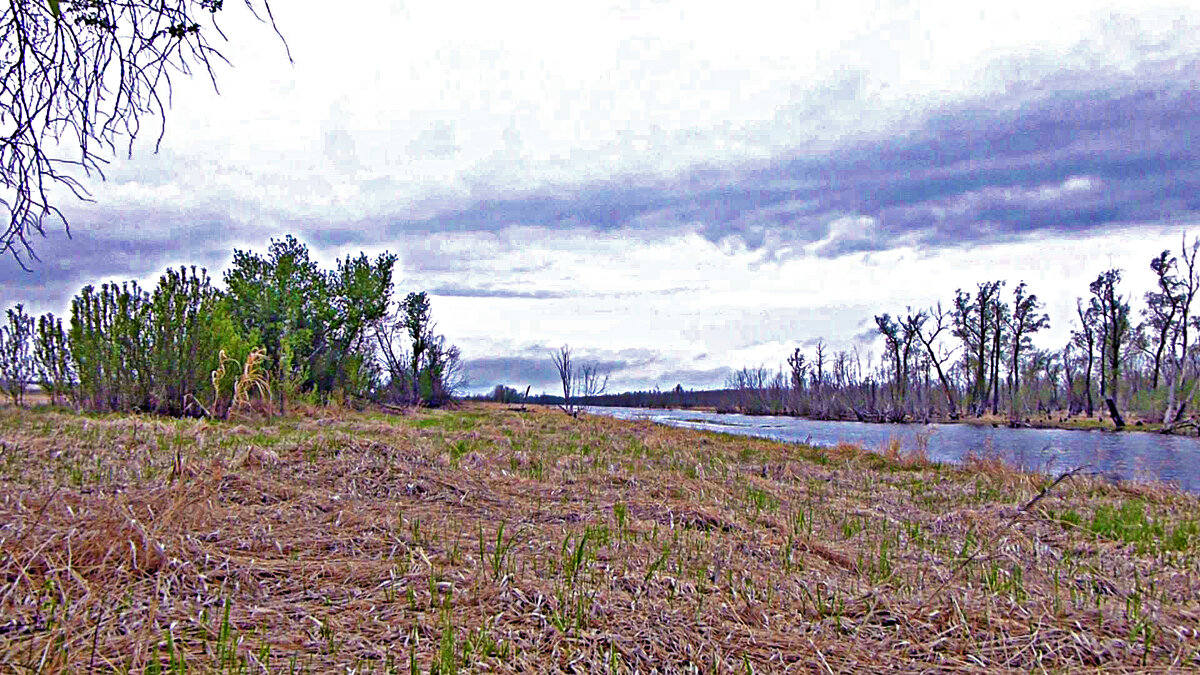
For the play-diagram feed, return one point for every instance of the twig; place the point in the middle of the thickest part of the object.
(95, 640)
(37, 518)
(1007, 525)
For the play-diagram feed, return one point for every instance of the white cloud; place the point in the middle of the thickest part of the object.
(393, 103)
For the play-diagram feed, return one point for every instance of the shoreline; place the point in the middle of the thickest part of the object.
(1074, 424)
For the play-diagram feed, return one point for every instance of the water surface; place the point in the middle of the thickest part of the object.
(1118, 455)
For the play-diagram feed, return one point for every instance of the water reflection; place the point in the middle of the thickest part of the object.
(1136, 455)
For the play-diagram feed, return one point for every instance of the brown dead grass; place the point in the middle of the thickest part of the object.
(486, 539)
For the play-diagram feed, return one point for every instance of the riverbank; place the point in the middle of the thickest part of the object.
(489, 539)
(1056, 420)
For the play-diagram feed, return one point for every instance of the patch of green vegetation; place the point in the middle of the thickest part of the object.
(761, 500)
(448, 421)
(1131, 524)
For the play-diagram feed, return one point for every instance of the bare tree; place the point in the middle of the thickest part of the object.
(1114, 316)
(973, 318)
(579, 381)
(1182, 287)
(1025, 319)
(928, 338)
(1085, 339)
(76, 77)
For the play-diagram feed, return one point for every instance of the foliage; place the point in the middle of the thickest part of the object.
(415, 317)
(421, 368)
(312, 324)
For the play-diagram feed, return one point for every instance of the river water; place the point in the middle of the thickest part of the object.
(1124, 455)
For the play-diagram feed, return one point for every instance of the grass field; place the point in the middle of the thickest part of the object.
(484, 539)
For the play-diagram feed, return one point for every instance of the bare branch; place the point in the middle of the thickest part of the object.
(77, 78)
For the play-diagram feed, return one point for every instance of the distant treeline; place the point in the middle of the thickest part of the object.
(282, 329)
(975, 356)
(721, 399)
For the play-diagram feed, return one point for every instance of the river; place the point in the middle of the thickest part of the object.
(1123, 455)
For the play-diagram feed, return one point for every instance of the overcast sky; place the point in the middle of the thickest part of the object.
(673, 188)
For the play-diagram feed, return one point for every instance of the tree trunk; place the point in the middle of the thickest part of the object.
(1013, 378)
(996, 369)
(1087, 385)
(1116, 414)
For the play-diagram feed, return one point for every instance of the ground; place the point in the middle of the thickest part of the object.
(491, 539)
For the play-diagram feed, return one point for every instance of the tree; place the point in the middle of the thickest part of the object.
(361, 294)
(898, 337)
(1114, 316)
(414, 314)
(1085, 339)
(442, 376)
(929, 339)
(185, 343)
(16, 359)
(1181, 284)
(579, 381)
(890, 330)
(422, 368)
(110, 345)
(1025, 319)
(77, 77)
(1000, 317)
(1162, 306)
(973, 321)
(313, 324)
(52, 356)
(797, 369)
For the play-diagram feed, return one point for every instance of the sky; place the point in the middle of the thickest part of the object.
(675, 189)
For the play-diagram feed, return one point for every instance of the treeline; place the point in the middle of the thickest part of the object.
(283, 329)
(976, 356)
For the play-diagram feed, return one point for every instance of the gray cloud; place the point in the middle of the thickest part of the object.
(1050, 158)
(451, 290)
(115, 246)
(695, 378)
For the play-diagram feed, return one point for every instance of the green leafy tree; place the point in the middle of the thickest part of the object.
(361, 293)
(16, 357)
(186, 337)
(283, 299)
(52, 356)
(314, 324)
(110, 345)
(415, 316)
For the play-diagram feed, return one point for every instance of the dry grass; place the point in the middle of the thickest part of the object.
(486, 539)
